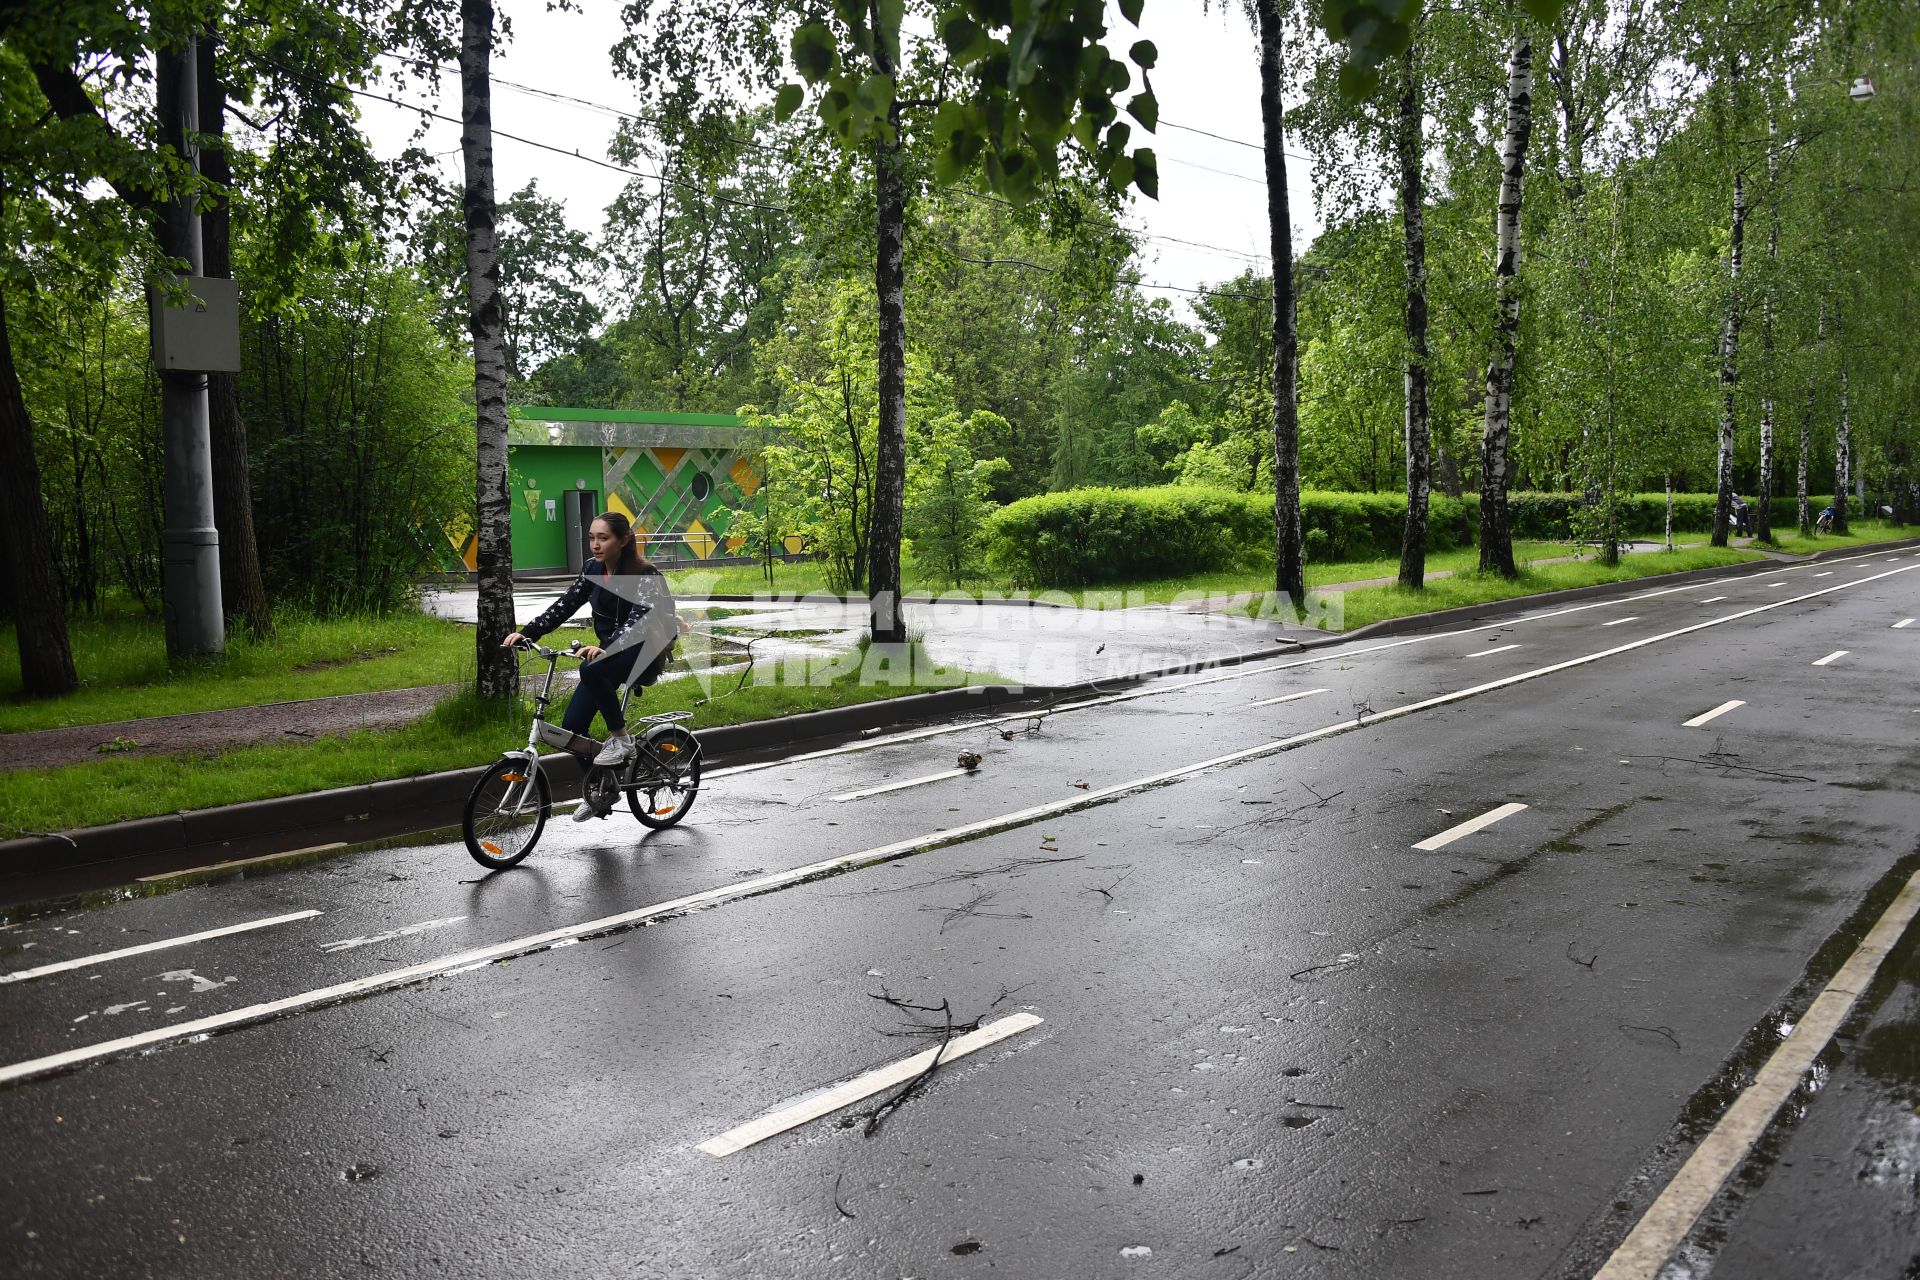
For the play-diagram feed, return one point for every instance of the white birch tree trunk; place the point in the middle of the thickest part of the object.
(1289, 567)
(886, 623)
(497, 670)
(1763, 501)
(1496, 527)
(1729, 369)
(1410, 144)
(1842, 459)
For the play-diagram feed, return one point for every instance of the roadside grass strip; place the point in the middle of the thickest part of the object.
(104, 957)
(862, 794)
(1644, 1253)
(912, 845)
(1468, 827)
(851, 1091)
(1717, 712)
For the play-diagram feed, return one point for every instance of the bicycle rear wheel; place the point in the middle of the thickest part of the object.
(506, 812)
(664, 777)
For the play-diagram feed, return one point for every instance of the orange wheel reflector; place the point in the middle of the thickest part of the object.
(662, 812)
(492, 848)
(513, 777)
(669, 747)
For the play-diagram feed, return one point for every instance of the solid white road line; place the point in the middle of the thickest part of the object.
(899, 786)
(480, 956)
(87, 962)
(1712, 600)
(245, 862)
(1617, 621)
(1285, 697)
(1481, 653)
(1903, 624)
(1720, 710)
(349, 944)
(1468, 827)
(851, 1091)
(1833, 657)
(1645, 1251)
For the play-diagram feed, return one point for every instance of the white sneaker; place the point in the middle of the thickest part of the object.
(583, 812)
(617, 751)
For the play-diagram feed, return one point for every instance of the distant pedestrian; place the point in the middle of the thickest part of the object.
(1741, 524)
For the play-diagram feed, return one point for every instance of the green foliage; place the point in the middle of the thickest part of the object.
(946, 506)
(1084, 537)
(361, 432)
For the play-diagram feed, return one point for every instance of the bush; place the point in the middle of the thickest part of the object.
(1085, 537)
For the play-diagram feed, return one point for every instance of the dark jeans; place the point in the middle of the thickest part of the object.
(599, 691)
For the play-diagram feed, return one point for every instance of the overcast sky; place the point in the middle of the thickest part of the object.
(1207, 78)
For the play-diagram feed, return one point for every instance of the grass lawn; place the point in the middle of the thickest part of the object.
(458, 733)
(1860, 533)
(1362, 605)
(124, 673)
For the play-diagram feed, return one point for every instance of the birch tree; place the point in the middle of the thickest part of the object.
(497, 670)
(1496, 527)
(1409, 145)
(1289, 568)
(995, 97)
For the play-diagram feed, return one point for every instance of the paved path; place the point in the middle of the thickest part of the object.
(1288, 1004)
(214, 731)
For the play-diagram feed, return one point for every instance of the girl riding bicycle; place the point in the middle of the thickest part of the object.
(634, 619)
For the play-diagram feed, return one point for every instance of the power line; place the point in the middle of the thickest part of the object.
(787, 154)
(752, 204)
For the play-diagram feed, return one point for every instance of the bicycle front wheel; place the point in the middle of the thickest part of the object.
(506, 812)
(664, 777)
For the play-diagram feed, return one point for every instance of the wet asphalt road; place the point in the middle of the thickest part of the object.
(1276, 1038)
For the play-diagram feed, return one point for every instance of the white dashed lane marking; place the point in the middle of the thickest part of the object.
(87, 962)
(1468, 827)
(846, 1094)
(1831, 658)
(1286, 697)
(1500, 649)
(899, 786)
(1720, 710)
(1617, 621)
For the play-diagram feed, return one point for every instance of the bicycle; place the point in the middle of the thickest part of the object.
(509, 806)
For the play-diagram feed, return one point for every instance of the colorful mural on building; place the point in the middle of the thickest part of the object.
(681, 478)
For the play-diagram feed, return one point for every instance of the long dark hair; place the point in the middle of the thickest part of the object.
(632, 561)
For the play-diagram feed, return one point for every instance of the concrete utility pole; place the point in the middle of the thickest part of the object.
(189, 542)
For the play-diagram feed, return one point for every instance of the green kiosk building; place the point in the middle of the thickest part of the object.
(681, 478)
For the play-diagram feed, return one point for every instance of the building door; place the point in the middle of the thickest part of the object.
(582, 505)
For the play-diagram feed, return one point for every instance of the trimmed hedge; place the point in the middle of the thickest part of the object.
(1088, 537)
